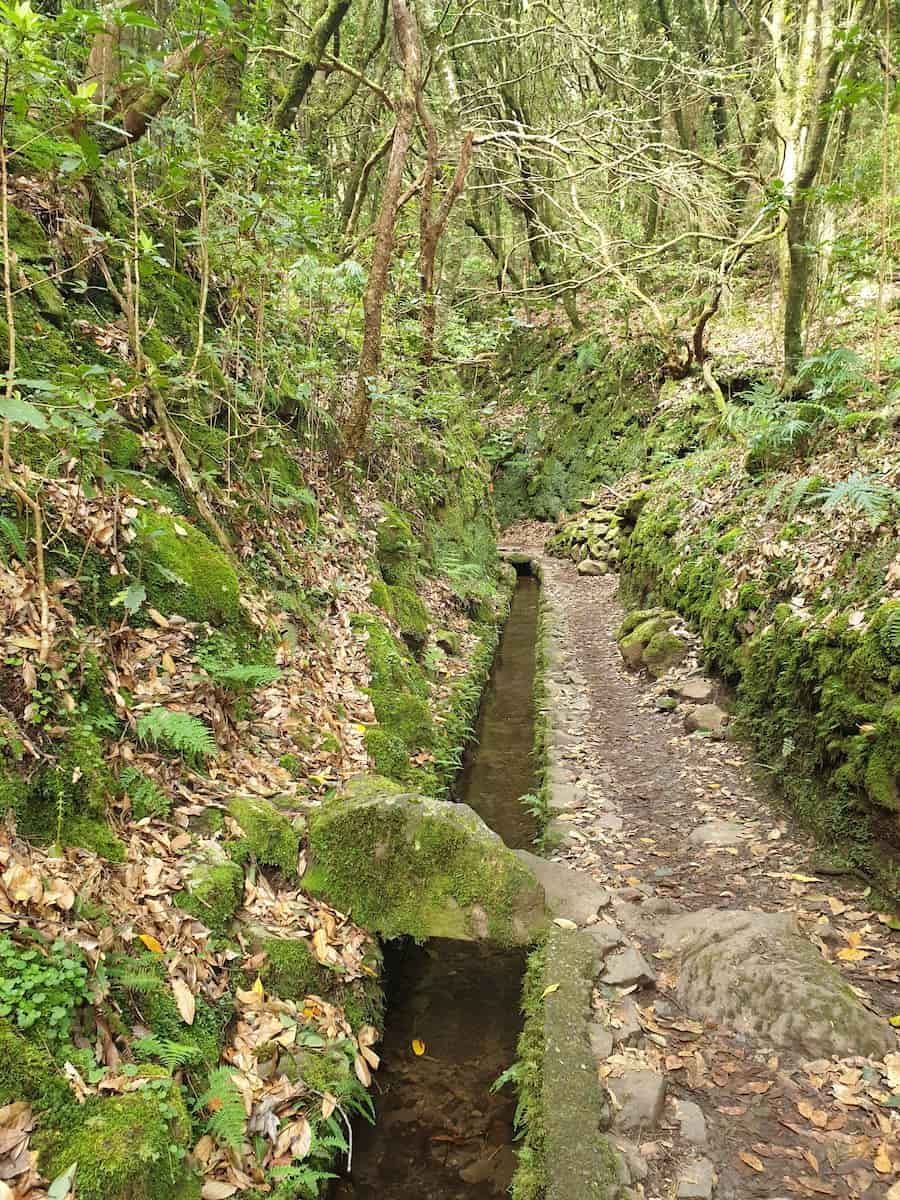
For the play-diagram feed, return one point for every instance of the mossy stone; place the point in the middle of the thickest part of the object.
(126, 1147)
(664, 651)
(271, 836)
(411, 616)
(638, 617)
(406, 864)
(397, 547)
(633, 645)
(214, 888)
(184, 572)
(122, 447)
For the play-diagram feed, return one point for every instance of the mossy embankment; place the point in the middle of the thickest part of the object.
(208, 686)
(772, 532)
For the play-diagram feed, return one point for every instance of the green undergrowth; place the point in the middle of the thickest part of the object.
(526, 1075)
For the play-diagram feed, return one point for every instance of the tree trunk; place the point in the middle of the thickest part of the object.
(407, 36)
(325, 26)
(432, 229)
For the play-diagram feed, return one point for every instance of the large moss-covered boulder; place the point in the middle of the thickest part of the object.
(183, 571)
(633, 644)
(404, 864)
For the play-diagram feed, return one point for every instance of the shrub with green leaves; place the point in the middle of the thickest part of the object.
(41, 987)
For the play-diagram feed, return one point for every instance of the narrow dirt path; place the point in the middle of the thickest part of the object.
(674, 824)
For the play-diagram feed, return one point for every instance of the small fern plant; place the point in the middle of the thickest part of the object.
(224, 1103)
(171, 1054)
(863, 494)
(243, 677)
(147, 798)
(889, 635)
(177, 731)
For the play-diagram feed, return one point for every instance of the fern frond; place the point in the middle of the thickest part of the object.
(889, 635)
(860, 493)
(147, 799)
(244, 675)
(135, 974)
(171, 1054)
(178, 731)
(10, 532)
(222, 1099)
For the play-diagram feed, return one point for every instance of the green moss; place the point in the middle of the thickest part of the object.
(399, 692)
(410, 614)
(530, 1180)
(158, 1010)
(215, 892)
(292, 971)
(67, 802)
(409, 865)
(664, 651)
(184, 572)
(271, 837)
(397, 547)
(128, 1147)
(122, 447)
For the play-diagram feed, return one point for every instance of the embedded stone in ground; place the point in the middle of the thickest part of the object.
(626, 968)
(626, 1022)
(697, 690)
(570, 894)
(706, 718)
(691, 1121)
(757, 974)
(590, 566)
(697, 1181)
(717, 833)
(601, 1041)
(640, 1097)
(605, 935)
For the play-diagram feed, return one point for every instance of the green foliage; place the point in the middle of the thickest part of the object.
(244, 676)
(862, 494)
(228, 1121)
(42, 987)
(177, 731)
(171, 1054)
(147, 798)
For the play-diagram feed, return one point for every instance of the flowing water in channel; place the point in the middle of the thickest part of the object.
(441, 1134)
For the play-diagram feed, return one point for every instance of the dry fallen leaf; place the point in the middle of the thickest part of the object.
(184, 999)
(752, 1160)
(214, 1190)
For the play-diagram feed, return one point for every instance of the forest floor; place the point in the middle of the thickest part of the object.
(735, 1114)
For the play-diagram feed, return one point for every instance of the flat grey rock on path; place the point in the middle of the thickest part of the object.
(570, 894)
(717, 833)
(626, 968)
(756, 973)
(697, 1181)
(640, 1097)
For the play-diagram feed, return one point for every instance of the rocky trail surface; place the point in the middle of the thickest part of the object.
(741, 1017)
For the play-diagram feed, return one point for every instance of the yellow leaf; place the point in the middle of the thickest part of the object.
(418, 1047)
(549, 990)
(752, 1160)
(252, 997)
(882, 1162)
(168, 663)
(803, 878)
(151, 943)
(895, 1021)
(851, 954)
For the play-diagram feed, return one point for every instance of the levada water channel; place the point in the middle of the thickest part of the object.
(441, 1133)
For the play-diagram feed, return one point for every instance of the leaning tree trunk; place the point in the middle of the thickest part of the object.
(325, 26)
(373, 301)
